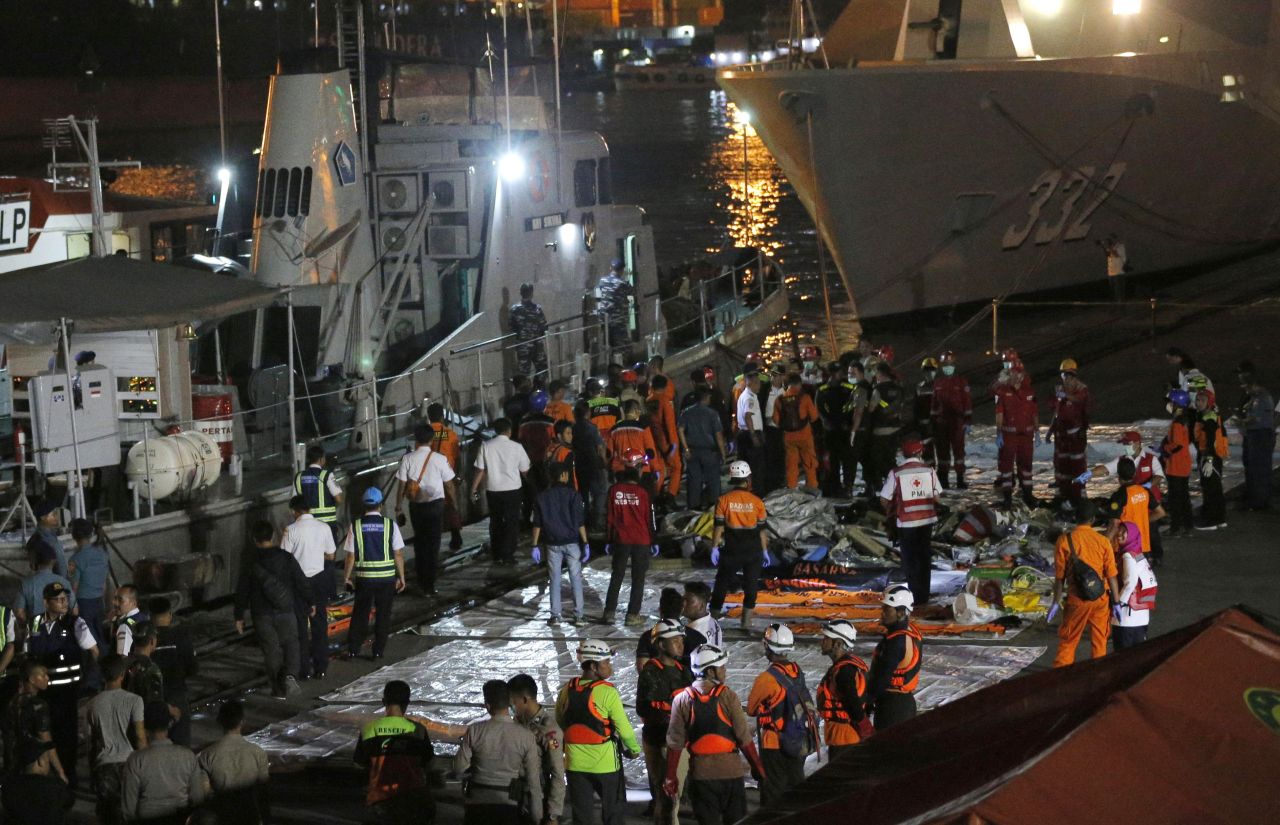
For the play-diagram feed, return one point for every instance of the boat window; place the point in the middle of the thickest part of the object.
(295, 191)
(604, 177)
(305, 206)
(584, 183)
(281, 190)
(265, 191)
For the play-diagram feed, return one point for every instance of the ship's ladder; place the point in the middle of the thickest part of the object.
(351, 43)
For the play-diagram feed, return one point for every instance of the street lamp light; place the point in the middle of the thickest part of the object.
(743, 118)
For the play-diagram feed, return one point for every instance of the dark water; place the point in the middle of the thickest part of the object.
(681, 157)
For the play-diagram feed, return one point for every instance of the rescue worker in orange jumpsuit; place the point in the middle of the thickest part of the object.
(631, 434)
(660, 390)
(1175, 454)
(1017, 432)
(895, 665)
(535, 434)
(603, 410)
(445, 442)
(557, 407)
(952, 416)
(561, 451)
(661, 446)
(786, 724)
(842, 693)
(1069, 430)
(922, 406)
(1087, 545)
(795, 413)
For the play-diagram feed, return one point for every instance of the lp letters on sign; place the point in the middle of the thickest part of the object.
(14, 225)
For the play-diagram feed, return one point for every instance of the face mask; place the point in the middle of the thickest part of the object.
(1007, 364)
(1134, 450)
(948, 370)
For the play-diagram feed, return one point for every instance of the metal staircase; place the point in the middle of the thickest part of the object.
(351, 43)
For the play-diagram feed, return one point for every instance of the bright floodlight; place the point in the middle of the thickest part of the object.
(1047, 7)
(224, 175)
(511, 167)
(741, 116)
(1126, 6)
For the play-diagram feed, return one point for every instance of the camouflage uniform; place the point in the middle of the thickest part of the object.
(614, 291)
(529, 323)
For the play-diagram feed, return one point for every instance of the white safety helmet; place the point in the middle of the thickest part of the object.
(707, 656)
(594, 650)
(739, 469)
(899, 596)
(842, 630)
(668, 629)
(778, 638)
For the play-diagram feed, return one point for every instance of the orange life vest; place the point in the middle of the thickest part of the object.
(584, 724)
(709, 730)
(906, 678)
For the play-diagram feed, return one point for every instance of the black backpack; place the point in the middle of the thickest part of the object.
(1088, 582)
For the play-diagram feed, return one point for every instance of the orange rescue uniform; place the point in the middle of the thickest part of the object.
(665, 421)
(559, 411)
(1133, 503)
(1078, 614)
(629, 435)
(795, 413)
(445, 442)
(766, 695)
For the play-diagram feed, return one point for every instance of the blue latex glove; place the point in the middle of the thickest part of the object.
(1116, 611)
(608, 549)
(654, 551)
(586, 553)
(1039, 440)
(768, 559)
(967, 428)
(715, 556)
(1053, 611)
(1084, 477)
(537, 555)
(999, 441)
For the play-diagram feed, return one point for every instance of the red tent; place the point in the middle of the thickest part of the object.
(1184, 728)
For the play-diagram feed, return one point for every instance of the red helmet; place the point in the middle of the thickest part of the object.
(912, 447)
(708, 374)
(1211, 400)
(755, 358)
(634, 458)
(885, 353)
(1015, 365)
(947, 357)
(1130, 437)
(1009, 354)
(629, 377)
(811, 353)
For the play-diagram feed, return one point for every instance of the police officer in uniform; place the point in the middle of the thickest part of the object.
(615, 293)
(320, 488)
(707, 719)
(786, 722)
(59, 641)
(127, 616)
(529, 325)
(541, 722)
(842, 693)
(374, 569)
(895, 665)
(500, 766)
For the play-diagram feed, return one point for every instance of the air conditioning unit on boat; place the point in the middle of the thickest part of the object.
(447, 242)
(398, 194)
(394, 237)
(448, 191)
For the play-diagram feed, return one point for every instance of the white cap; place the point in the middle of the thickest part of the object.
(899, 596)
(594, 650)
(707, 656)
(739, 469)
(842, 630)
(778, 638)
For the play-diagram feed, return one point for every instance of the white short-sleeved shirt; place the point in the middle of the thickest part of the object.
(397, 540)
(124, 634)
(502, 460)
(749, 404)
(430, 469)
(309, 540)
(774, 394)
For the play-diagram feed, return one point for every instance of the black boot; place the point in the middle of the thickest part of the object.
(1028, 498)
(961, 484)
(943, 473)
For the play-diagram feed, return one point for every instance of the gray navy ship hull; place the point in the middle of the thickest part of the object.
(946, 182)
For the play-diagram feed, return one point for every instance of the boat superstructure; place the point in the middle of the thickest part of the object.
(955, 151)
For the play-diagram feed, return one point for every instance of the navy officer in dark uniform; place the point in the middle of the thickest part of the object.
(59, 641)
(529, 324)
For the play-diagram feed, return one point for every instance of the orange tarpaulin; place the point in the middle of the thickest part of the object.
(1182, 728)
(818, 595)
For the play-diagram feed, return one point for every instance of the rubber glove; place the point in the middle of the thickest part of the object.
(671, 785)
(864, 726)
(1084, 477)
(967, 428)
(1207, 469)
(753, 759)
(768, 559)
(1039, 440)
(715, 556)
(608, 549)
(999, 441)
(1053, 611)
(537, 555)
(1116, 610)
(586, 553)
(654, 551)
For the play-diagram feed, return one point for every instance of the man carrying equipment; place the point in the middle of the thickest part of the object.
(786, 722)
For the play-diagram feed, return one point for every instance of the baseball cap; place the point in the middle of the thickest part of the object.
(53, 590)
(1130, 437)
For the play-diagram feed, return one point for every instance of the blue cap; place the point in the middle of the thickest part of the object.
(616, 263)
(538, 401)
(372, 496)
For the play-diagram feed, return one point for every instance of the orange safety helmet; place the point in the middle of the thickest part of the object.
(929, 364)
(947, 357)
(1068, 365)
(629, 377)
